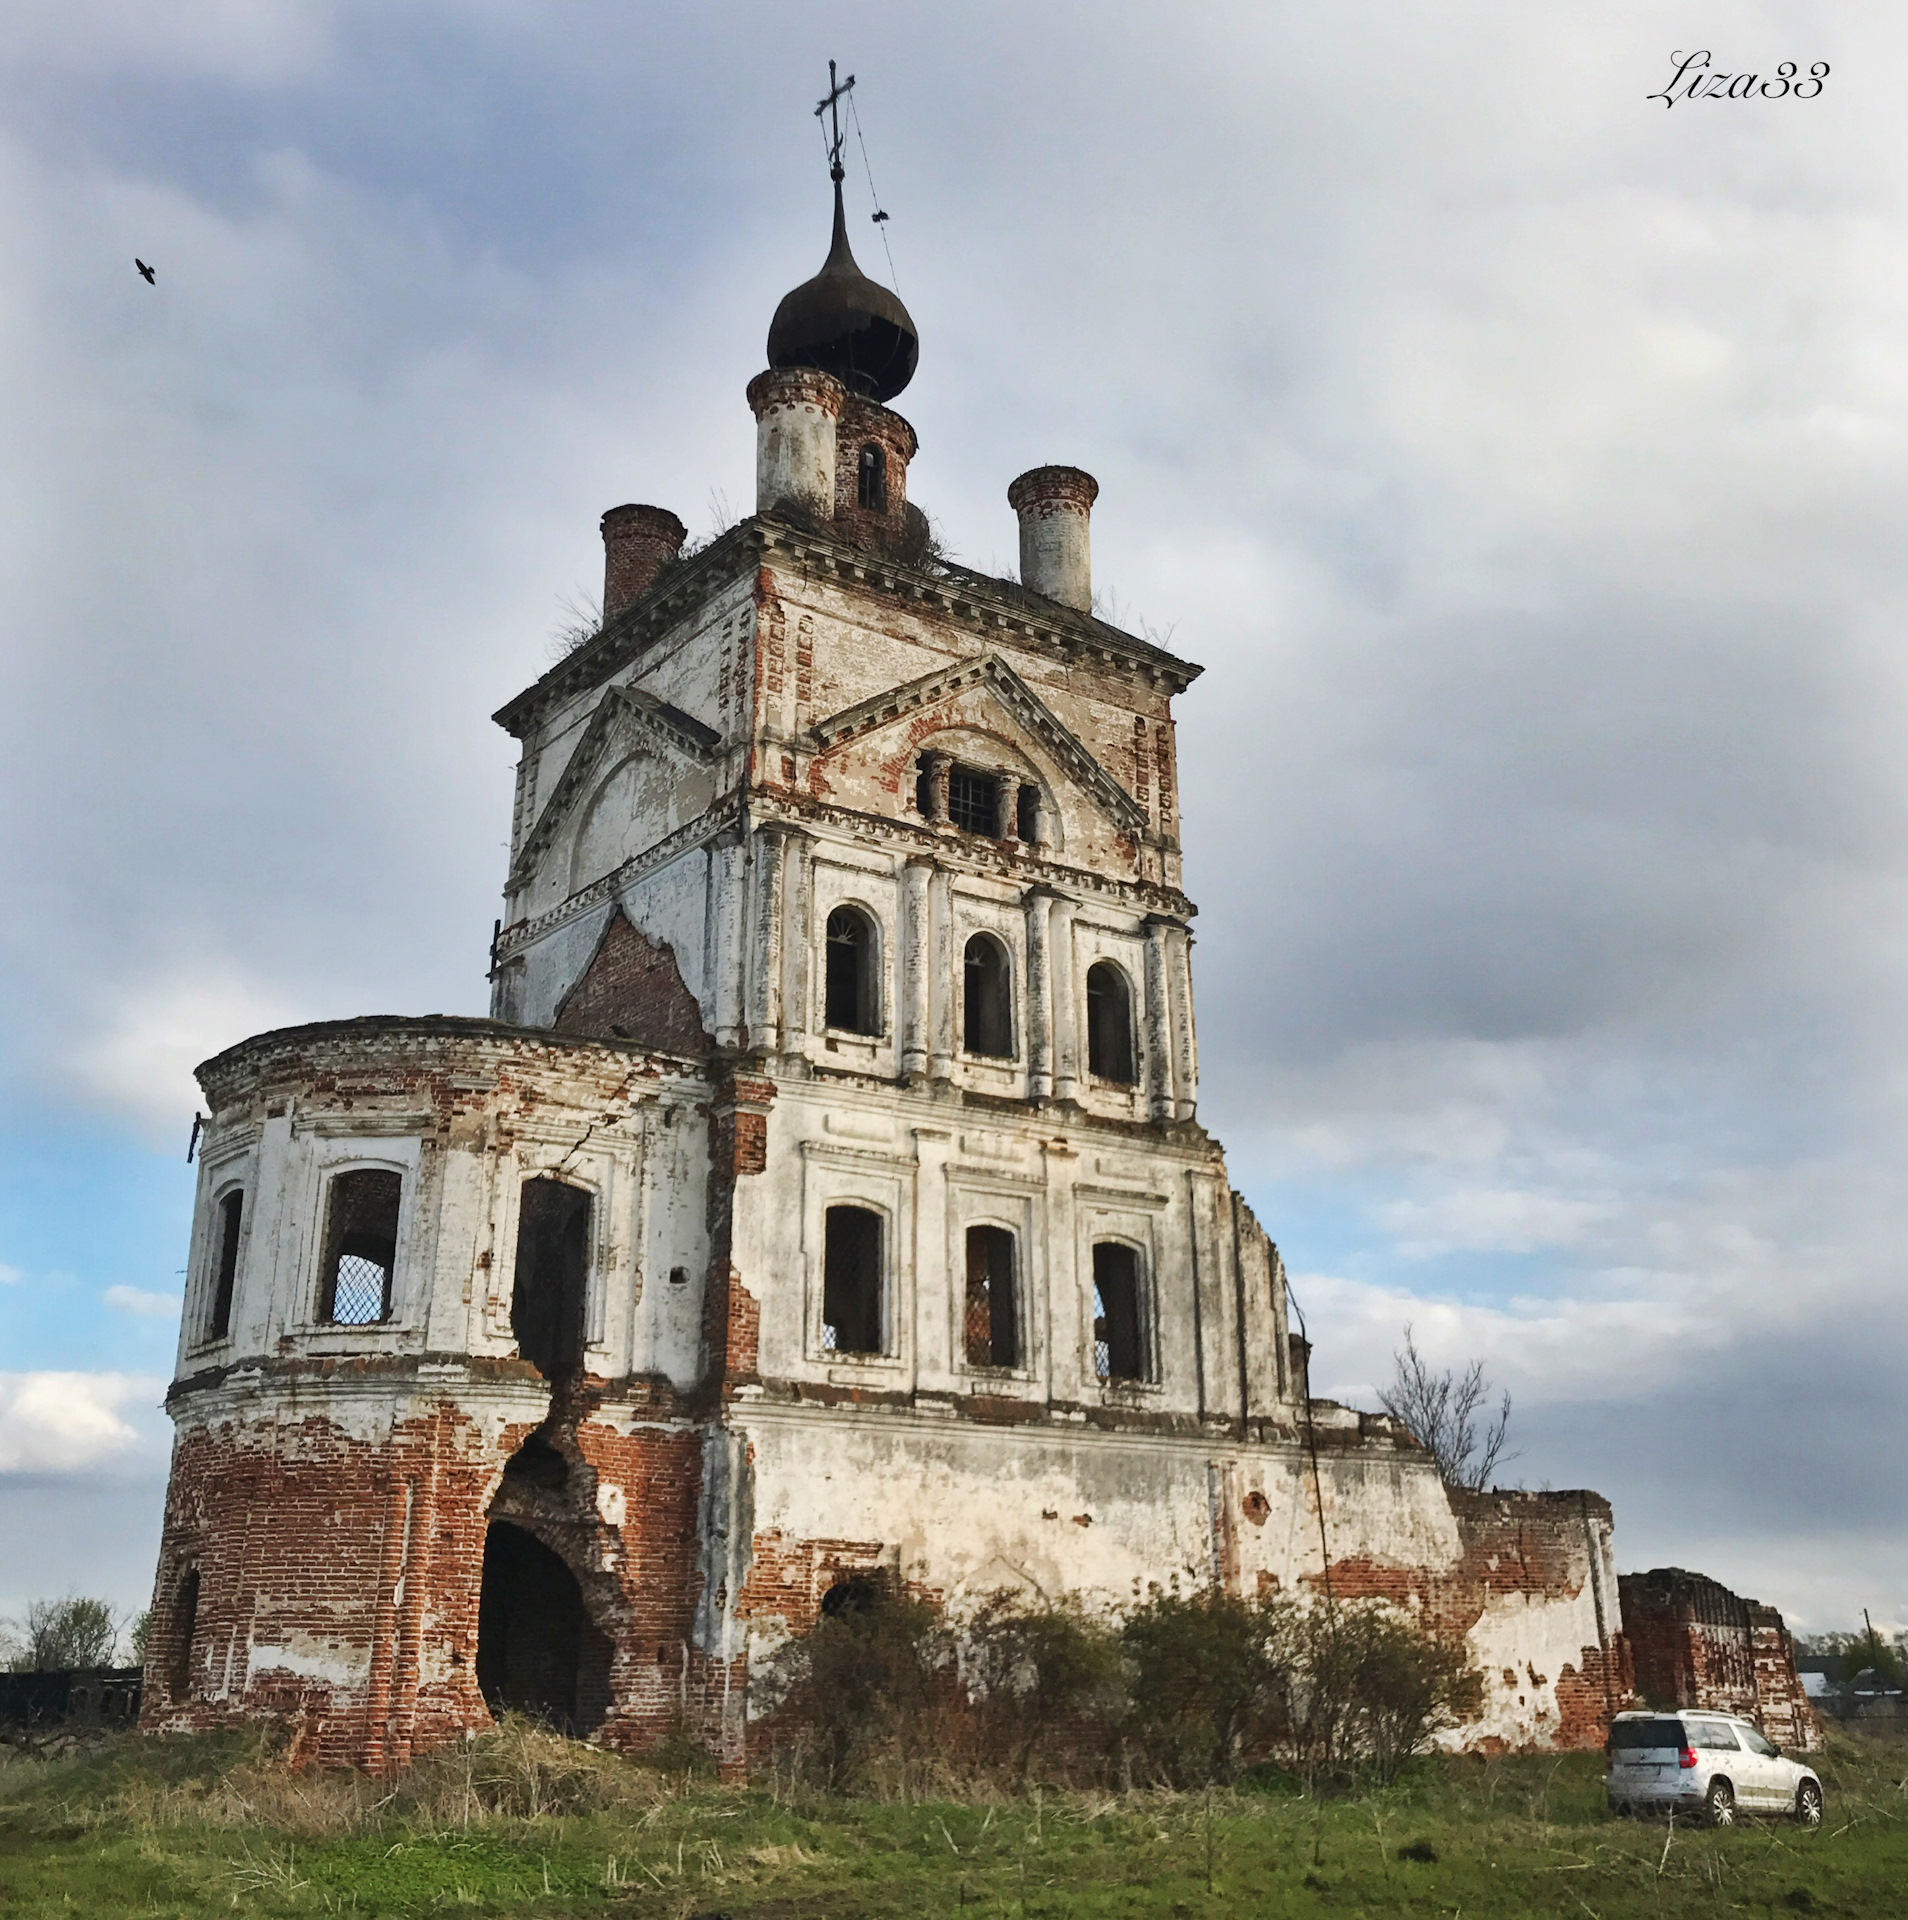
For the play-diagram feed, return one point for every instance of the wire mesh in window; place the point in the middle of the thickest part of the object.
(358, 1291)
(973, 800)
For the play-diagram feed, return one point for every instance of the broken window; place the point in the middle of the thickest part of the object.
(225, 1274)
(871, 488)
(1109, 1024)
(1119, 1347)
(852, 1004)
(185, 1625)
(973, 801)
(361, 1227)
(987, 1010)
(1027, 814)
(552, 1280)
(851, 1281)
(992, 1321)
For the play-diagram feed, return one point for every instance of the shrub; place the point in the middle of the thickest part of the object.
(58, 1634)
(1046, 1690)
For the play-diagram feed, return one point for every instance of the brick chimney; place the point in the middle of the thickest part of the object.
(795, 413)
(636, 542)
(1055, 552)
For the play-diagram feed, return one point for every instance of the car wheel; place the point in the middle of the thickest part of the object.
(1808, 1804)
(1719, 1804)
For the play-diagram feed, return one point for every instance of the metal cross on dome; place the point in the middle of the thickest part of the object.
(838, 90)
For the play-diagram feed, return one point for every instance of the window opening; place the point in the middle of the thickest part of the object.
(1118, 1351)
(973, 801)
(851, 1281)
(992, 1323)
(537, 1652)
(185, 1626)
(924, 787)
(872, 480)
(361, 1225)
(552, 1278)
(850, 984)
(231, 1216)
(854, 1594)
(987, 1022)
(1027, 814)
(1109, 1024)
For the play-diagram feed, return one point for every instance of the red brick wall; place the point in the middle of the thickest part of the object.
(1699, 1645)
(302, 1533)
(632, 990)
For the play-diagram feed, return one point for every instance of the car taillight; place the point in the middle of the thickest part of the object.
(1687, 1757)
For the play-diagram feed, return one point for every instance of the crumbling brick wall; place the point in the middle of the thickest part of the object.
(1696, 1644)
(632, 989)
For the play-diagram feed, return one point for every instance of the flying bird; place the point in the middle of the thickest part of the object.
(152, 279)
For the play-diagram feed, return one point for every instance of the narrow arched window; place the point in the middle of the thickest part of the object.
(1119, 1340)
(987, 1003)
(1109, 1024)
(849, 991)
(992, 1322)
(872, 479)
(548, 1301)
(361, 1228)
(225, 1274)
(851, 1281)
(185, 1627)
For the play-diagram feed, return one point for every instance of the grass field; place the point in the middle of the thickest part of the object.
(525, 1824)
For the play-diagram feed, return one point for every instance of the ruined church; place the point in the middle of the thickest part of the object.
(824, 1201)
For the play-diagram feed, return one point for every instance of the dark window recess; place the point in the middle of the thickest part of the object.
(973, 801)
(1109, 1024)
(850, 988)
(537, 1652)
(851, 1281)
(552, 1280)
(987, 1017)
(924, 788)
(185, 1627)
(1118, 1351)
(871, 480)
(854, 1594)
(1027, 814)
(231, 1218)
(361, 1225)
(992, 1324)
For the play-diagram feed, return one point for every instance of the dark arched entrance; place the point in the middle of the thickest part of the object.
(537, 1652)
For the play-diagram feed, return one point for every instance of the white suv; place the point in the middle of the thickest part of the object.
(1715, 1764)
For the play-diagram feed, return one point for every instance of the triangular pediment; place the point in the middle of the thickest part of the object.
(625, 716)
(1028, 713)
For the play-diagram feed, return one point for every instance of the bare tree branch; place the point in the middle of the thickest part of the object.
(1441, 1410)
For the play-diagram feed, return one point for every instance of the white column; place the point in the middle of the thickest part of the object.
(728, 908)
(798, 934)
(914, 975)
(1185, 1046)
(1061, 970)
(765, 941)
(945, 977)
(1159, 1032)
(1039, 996)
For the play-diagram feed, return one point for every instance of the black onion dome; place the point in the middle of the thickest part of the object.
(846, 324)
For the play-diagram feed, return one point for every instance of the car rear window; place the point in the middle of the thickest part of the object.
(1646, 1733)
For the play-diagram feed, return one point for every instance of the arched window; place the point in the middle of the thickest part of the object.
(851, 1281)
(1109, 1024)
(851, 1000)
(987, 999)
(871, 480)
(361, 1227)
(185, 1626)
(225, 1274)
(992, 1325)
(1119, 1337)
(552, 1280)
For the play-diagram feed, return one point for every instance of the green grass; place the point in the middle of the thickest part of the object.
(202, 1827)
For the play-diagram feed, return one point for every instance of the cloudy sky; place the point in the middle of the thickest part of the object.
(1524, 459)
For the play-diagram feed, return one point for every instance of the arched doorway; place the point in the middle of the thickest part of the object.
(537, 1653)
